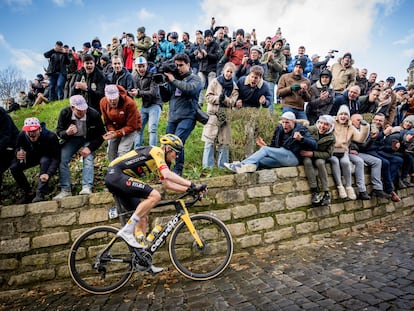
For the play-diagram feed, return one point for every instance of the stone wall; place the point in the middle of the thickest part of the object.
(269, 208)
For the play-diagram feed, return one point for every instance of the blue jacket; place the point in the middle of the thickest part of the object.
(183, 96)
(250, 97)
(286, 140)
(306, 70)
(174, 49)
(354, 106)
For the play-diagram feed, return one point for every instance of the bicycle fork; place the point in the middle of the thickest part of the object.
(187, 220)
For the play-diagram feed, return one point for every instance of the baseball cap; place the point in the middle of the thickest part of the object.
(78, 102)
(140, 60)
(111, 91)
(31, 124)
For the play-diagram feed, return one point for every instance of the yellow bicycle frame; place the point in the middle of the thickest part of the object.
(187, 220)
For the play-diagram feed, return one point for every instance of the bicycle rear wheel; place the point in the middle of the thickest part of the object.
(99, 261)
(201, 263)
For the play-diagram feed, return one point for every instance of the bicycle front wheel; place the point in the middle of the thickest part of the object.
(99, 261)
(201, 263)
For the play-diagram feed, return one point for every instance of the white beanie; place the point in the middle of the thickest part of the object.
(343, 109)
(328, 119)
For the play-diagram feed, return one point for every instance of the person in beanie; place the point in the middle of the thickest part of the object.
(236, 49)
(344, 133)
(142, 45)
(290, 137)
(293, 89)
(343, 74)
(322, 97)
(36, 145)
(322, 132)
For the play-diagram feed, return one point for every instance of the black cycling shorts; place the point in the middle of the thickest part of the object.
(128, 189)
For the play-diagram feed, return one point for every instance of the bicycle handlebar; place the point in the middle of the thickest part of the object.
(196, 193)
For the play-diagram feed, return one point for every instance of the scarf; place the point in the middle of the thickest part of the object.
(227, 85)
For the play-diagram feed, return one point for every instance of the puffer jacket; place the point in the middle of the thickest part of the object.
(344, 133)
(342, 78)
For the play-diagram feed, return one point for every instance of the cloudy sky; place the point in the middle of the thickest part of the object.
(378, 33)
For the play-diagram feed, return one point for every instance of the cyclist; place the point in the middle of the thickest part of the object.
(122, 179)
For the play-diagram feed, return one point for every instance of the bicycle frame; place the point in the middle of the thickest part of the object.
(182, 214)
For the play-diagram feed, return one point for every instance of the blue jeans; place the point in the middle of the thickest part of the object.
(150, 115)
(56, 86)
(300, 114)
(69, 148)
(272, 157)
(182, 129)
(208, 155)
(272, 92)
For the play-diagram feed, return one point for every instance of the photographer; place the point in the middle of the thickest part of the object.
(319, 66)
(182, 92)
(56, 70)
(322, 97)
(208, 57)
(148, 90)
(256, 53)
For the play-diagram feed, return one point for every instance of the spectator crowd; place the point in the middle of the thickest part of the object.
(338, 115)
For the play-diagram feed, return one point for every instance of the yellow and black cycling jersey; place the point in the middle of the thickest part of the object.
(141, 161)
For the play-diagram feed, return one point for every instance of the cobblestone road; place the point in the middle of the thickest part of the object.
(369, 270)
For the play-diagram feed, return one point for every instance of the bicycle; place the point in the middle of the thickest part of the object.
(200, 247)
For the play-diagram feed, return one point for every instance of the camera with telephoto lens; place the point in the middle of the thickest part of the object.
(167, 66)
(333, 51)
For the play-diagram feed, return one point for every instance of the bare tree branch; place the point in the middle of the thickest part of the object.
(11, 82)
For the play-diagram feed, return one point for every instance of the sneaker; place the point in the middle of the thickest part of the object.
(395, 197)
(39, 197)
(326, 200)
(407, 182)
(316, 200)
(342, 192)
(85, 190)
(249, 168)
(351, 193)
(62, 194)
(129, 238)
(236, 168)
(364, 196)
(401, 184)
(154, 270)
(380, 194)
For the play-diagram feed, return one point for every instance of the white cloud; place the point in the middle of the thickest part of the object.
(27, 61)
(406, 40)
(144, 14)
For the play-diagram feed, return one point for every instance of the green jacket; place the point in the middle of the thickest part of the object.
(326, 143)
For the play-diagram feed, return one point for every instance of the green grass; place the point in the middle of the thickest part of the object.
(193, 170)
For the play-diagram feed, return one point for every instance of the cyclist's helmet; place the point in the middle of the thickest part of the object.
(173, 141)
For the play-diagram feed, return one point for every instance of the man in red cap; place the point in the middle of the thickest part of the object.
(36, 145)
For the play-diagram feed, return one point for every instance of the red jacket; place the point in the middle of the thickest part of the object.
(125, 118)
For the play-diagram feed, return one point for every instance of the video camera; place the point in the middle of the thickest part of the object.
(167, 66)
(333, 51)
